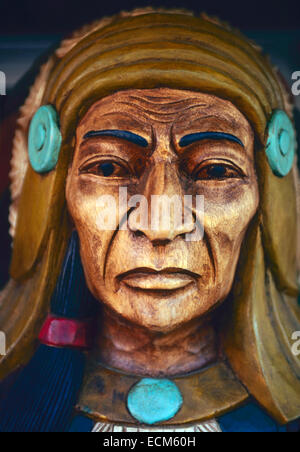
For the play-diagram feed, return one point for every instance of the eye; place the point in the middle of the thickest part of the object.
(107, 168)
(216, 171)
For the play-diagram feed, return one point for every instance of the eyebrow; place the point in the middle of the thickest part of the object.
(123, 134)
(193, 137)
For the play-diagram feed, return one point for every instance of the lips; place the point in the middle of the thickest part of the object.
(151, 280)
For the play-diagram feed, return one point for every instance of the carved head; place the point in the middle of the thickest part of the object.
(164, 103)
(177, 143)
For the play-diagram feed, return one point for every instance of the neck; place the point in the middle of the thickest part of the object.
(135, 350)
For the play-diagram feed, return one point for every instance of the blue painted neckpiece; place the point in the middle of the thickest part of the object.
(154, 400)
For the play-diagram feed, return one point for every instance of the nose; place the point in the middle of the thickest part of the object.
(167, 215)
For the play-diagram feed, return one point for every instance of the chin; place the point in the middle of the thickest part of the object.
(162, 321)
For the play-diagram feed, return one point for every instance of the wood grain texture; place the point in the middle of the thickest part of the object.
(262, 310)
(206, 395)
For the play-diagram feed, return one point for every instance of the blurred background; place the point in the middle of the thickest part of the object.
(29, 29)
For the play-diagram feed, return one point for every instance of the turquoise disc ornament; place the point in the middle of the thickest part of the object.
(44, 139)
(154, 400)
(281, 143)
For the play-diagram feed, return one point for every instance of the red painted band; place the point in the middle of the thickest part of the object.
(64, 332)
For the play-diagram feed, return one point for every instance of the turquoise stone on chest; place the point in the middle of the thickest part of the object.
(154, 400)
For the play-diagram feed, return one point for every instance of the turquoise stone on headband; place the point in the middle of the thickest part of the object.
(44, 139)
(154, 400)
(281, 143)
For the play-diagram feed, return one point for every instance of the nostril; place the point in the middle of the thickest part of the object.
(160, 242)
(183, 234)
(139, 233)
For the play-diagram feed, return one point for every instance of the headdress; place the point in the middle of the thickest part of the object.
(150, 49)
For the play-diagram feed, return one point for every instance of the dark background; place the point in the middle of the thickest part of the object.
(60, 16)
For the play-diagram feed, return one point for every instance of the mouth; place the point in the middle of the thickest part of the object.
(168, 279)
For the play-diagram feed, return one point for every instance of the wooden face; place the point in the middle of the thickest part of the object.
(156, 142)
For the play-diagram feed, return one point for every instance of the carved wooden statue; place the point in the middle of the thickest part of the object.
(115, 318)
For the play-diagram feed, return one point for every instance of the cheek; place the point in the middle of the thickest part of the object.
(86, 213)
(225, 223)
(230, 211)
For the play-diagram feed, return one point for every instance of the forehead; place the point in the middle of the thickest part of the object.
(145, 109)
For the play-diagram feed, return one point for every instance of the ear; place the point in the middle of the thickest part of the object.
(281, 143)
(44, 139)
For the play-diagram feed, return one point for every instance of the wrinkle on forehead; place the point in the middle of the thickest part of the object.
(169, 103)
(160, 100)
(145, 109)
(165, 105)
(166, 112)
